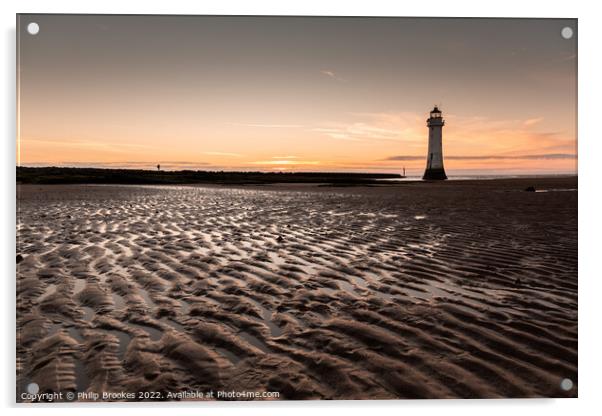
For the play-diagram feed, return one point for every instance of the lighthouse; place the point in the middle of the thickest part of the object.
(434, 158)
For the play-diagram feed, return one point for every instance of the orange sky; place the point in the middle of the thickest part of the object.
(296, 94)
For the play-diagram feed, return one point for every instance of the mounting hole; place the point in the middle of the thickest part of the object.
(33, 388)
(566, 32)
(33, 28)
(566, 384)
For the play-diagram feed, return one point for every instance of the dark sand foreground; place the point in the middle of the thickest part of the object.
(419, 290)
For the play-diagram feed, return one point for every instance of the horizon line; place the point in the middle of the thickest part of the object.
(459, 172)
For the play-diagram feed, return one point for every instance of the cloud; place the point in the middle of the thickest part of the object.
(336, 133)
(569, 57)
(166, 165)
(269, 126)
(532, 121)
(491, 157)
(332, 74)
(403, 127)
(89, 144)
(406, 158)
(360, 131)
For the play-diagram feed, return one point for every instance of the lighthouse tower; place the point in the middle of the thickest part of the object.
(434, 158)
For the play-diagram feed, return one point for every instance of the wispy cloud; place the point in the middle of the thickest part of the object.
(532, 121)
(408, 157)
(359, 132)
(463, 135)
(165, 164)
(569, 57)
(269, 125)
(491, 157)
(336, 133)
(331, 74)
(376, 126)
(89, 144)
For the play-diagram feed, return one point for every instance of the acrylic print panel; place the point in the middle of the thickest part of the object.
(295, 208)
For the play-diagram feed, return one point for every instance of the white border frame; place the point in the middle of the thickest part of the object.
(590, 286)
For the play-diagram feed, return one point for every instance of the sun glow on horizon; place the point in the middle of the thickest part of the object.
(379, 142)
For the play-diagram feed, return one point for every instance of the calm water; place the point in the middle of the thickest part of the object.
(472, 177)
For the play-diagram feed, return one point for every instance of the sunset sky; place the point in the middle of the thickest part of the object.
(318, 94)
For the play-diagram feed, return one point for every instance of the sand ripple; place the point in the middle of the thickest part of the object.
(318, 294)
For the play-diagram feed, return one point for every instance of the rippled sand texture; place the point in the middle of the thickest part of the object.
(465, 289)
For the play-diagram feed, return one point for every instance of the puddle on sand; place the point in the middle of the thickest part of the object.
(556, 190)
(256, 342)
(234, 359)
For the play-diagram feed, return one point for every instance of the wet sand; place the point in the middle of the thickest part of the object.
(463, 289)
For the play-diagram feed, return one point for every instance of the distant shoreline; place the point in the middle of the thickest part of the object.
(64, 175)
(99, 176)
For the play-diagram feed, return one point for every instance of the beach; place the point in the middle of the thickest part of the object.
(416, 290)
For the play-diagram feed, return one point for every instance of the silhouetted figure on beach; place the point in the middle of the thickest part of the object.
(158, 167)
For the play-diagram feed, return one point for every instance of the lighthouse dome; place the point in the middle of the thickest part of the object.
(436, 113)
